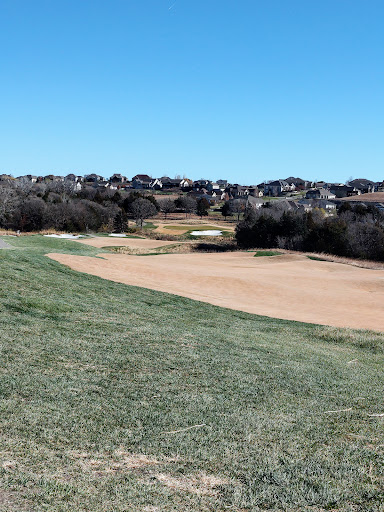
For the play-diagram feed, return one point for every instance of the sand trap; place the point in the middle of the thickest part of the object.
(66, 236)
(179, 229)
(134, 243)
(211, 232)
(118, 235)
(289, 286)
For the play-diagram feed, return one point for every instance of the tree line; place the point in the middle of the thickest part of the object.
(356, 231)
(58, 205)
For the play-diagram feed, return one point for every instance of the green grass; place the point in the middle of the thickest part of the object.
(316, 258)
(92, 371)
(267, 253)
(149, 225)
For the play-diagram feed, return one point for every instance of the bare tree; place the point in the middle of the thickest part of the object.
(23, 186)
(189, 204)
(237, 207)
(8, 203)
(142, 209)
(167, 206)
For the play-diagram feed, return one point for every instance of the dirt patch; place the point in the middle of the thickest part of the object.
(118, 461)
(290, 287)
(201, 484)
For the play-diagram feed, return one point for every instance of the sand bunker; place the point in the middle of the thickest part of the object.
(175, 228)
(291, 287)
(134, 243)
(209, 232)
(65, 236)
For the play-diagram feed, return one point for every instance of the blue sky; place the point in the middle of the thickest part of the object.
(244, 90)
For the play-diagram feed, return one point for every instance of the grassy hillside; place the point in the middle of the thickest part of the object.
(115, 398)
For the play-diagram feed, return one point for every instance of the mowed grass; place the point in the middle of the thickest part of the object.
(116, 398)
(260, 254)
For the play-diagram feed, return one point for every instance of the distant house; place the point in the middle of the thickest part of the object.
(255, 191)
(117, 178)
(200, 184)
(277, 188)
(237, 191)
(156, 184)
(254, 202)
(170, 183)
(298, 183)
(142, 181)
(93, 178)
(203, 193)
(186, 184)
(222, 183)
(218, 195)
(73, 177)
(344, 191)
(31, 178)
(52, 177)
(365, 186)
(319, 193)
(324, 204)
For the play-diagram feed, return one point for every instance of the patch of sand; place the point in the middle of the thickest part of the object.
(290, 287)
(134, 243)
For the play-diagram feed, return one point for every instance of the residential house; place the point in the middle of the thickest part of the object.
(170, 183)
(73, 177)
(200, 184)
(254, 202)
(319, 193)
(118, 178)
(365, 186)
(237, 191)
(93, 178)
(255, 192)
(298, 183)
(344, 191)
(277, 188)
(30, 177)
(141, 181)
(52, 177)
(157, 184)
(186, 184)
(324, 204)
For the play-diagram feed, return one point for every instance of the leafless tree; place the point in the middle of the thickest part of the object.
(167, 206)
(238, 207)
(23, 187)
(142, 209)
(8, 203)
(189, 204)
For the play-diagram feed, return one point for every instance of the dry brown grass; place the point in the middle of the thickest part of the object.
(201, 483)
(373, 265)
(181, 248)
(375, 197)
(99, 465)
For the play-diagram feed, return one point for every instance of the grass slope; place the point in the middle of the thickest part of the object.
(101, 382)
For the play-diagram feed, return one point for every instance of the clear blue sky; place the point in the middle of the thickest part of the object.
(241, 89)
